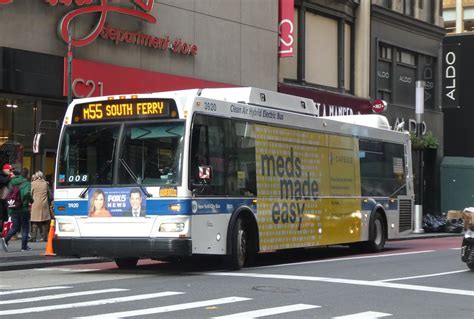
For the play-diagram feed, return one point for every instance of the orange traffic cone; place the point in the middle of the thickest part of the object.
(49, 245)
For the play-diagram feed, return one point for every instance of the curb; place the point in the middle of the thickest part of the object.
(21, 265)
(428, 236)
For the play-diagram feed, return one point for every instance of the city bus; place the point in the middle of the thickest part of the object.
(230, 172)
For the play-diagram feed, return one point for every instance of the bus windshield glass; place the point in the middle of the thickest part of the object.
(148, 154)
(151, 154)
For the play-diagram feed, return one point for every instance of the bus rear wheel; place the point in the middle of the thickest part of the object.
(237, 258)
(126, 263)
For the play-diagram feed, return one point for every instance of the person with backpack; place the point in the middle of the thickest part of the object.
(18, 202)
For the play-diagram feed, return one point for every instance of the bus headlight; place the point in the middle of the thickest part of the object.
(172, 227)
(66, 227)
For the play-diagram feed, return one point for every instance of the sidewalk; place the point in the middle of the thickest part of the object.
(16, 259)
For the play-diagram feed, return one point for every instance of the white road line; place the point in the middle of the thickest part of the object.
(11, 292)
(344, 259)
(65, 269)
(459, 248)
(59, 296)
(364, 315)
(88, 303)
(268, 312)
(347, 281)
(151, 311)
(423, 276)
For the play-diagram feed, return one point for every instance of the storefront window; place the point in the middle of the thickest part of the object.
(16, 131)
(397, 73)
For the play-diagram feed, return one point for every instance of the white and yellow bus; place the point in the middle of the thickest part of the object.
(231, 172)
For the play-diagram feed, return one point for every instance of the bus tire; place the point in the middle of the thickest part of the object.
(470, 259)
(238, 256)
(126, 263)
(376, 240)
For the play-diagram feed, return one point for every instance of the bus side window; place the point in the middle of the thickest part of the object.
(242, 172)
(199, 150)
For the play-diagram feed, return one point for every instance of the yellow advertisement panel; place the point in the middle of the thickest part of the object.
(307, 190)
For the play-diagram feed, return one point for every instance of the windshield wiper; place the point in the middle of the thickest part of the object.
(99, 175)
(134, 177)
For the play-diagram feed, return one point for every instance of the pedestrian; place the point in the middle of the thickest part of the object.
(40, 213)
(5, 175)
(21, 215)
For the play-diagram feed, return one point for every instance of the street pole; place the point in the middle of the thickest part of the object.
(419, 110)
(69, 66)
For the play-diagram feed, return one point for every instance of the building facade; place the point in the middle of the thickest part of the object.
(121, 46)
(350, 53)
(345, 55)
(458, 16)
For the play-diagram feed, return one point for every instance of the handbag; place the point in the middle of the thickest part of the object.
(6, 227)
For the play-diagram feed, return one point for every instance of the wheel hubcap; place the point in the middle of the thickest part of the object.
(242, 246)
(378, 232)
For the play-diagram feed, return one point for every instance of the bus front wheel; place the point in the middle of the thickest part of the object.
(236, 259)
(126, 263)
(376, 241)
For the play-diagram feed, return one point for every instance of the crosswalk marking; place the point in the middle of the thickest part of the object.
(151, 311)
(424, 276)
(59, 296)
(20, 291)
(364, 315)
(268, 312)
(88, 303)
(346, 281)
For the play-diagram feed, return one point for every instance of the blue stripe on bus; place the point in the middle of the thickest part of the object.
(199, 206)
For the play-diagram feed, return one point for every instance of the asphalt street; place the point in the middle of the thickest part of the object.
(422, 278)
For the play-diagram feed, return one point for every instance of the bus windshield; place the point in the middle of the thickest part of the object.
(121, 154)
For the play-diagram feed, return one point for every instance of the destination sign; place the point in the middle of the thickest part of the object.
(110, 110)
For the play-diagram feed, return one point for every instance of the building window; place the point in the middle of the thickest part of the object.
(384, 73)
(347, 56)
(405, 57)
(321, 50)
(387, 4)
(324, 51)
(396, 73)
(385, 52)
(408, 7)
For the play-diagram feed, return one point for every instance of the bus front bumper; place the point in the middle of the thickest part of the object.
(121, 247)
